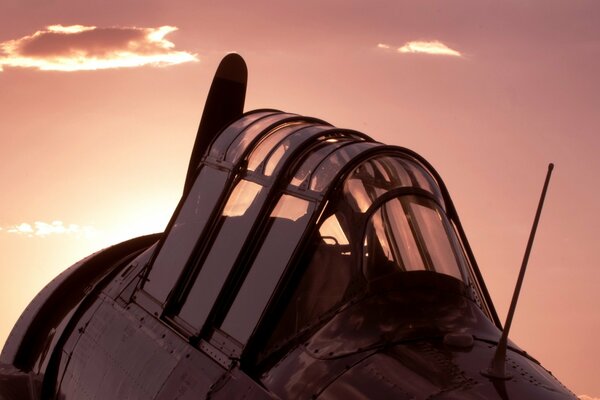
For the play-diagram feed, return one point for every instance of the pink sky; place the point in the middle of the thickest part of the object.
(98, 156)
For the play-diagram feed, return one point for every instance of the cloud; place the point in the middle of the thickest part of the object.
(78, 48)
(434, 47)
(21, 228)
(586, 397)
(43, 229)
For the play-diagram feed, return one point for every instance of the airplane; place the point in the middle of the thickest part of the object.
(302, 261)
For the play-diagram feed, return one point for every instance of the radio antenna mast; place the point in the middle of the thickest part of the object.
(497, 367)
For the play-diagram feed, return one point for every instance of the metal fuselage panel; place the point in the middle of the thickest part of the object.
(124, 352)
(424, 342)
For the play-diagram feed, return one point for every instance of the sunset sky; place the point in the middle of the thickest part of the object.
(100, 102)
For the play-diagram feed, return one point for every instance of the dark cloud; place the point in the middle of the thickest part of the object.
(99, 42)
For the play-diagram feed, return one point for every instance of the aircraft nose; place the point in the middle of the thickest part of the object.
(441, 370)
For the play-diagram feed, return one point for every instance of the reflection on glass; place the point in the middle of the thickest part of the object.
(359, 198)
(291, 142)
(423, 179)
(328, 169)
(289, 220)
(406, 248)
(436, 237)
(384, 173)
(275, 157)
(393, 239)
(311, 162)
(241, 198)
(219, 147)
(245, 137)
(331, 231)
(264, 147)
(382, 244)
(185, 232)
(410, 233)
(245, 203)
(290, 208)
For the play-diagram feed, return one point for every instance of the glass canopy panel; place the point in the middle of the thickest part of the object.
(327, 147)
(439, 239)
(391, 222)
(329, 274)
(411, 233)
(239, 214)
(327, 170)
(280, 154)
(185, 232)
(221, 144)
(422, 179)
(260, 152)
(288, 222)
(380, 174)
(241, 143)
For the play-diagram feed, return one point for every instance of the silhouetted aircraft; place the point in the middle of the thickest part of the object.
(303, 261)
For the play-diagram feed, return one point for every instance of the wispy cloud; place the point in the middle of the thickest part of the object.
(586, 397)
(43, 229)
(434, 47)
(78, 47)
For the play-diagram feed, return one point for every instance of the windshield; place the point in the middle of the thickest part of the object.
(387, 219)
(411, 233)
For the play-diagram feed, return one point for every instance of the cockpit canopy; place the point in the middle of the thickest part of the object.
(287, 209)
